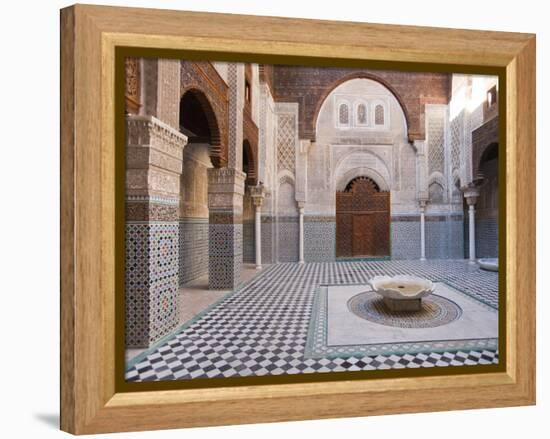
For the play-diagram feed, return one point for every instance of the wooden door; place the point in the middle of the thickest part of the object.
(362, 220)
(362, 235)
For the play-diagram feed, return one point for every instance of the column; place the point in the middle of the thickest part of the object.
(472, 232)
(154, 153)
(423, 230)
(301, 232)
(471, 195)
(257, 193)
(225, 206)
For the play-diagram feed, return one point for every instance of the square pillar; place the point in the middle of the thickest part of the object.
(153, 167)
(225, 206)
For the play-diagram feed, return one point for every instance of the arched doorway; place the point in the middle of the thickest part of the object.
(198, 123)
(487, 204)
(362, 219)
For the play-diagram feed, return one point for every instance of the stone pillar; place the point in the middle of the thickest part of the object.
(423, 229)
(301, 206)
(225, 205)
(153, 166)
(257, 193)
(471, 195)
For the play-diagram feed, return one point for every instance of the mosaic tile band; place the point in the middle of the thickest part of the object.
(436, 311)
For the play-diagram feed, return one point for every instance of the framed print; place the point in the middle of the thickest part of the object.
(273, 219)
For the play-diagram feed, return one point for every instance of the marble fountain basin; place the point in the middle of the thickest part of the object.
(490, 264)
(402, 293)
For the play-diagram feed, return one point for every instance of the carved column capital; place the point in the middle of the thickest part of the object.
(257, 193)
(471, 194)
(422, 202)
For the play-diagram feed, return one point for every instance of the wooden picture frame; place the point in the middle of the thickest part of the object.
(91, 402)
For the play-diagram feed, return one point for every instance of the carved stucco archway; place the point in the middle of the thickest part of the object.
(362, 75)
(361, 171)
(214, 135)
(346, 169)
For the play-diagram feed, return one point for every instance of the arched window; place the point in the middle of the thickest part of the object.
(436, 193)
(343, 114)
(361, 114)
(379, 117)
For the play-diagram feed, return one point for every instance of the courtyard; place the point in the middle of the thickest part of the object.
(261, 201)
(276, 323)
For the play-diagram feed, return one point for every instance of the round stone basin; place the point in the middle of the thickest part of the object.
(490, 264)
(402, 293)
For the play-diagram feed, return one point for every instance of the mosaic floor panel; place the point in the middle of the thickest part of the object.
(334, 331)
(262, 327)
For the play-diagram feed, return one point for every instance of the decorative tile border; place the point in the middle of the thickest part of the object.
(317, 346)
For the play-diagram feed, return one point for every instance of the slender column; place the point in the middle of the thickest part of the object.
(301, 233)
(257, 194)
(472, 223)
(471, 195)
(422, 230)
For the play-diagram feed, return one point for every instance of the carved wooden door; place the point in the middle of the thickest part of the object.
(362, 220)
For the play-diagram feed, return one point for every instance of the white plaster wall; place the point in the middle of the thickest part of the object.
(267, 157)
(468, 95)
(221, 68)
(381, 152)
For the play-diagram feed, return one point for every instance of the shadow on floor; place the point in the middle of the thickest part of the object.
(49, 419)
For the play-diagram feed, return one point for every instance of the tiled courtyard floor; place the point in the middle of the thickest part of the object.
(262, 327)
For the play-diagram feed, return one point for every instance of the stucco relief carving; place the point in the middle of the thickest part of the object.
(148, 131)
(162, 182)
(364, 159)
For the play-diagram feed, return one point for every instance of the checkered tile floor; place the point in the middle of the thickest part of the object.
(262, 328)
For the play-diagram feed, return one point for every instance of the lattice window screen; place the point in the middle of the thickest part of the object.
(379, 115)
(362, 114)
(456, 141)
(343, 114)
(436, 145)
(286, 149)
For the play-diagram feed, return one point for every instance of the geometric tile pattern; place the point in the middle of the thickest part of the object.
(286, 149)
(225, 256)
(268, 240)
(262, 327)
(288, 233)
(436, 145)
(249, 250)
(436, 311)
(317, 346)
(487, 238)
(456, 136)
(405, 239)
(444, 239)
(151, 282)
(193, 249)
(319, 240)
